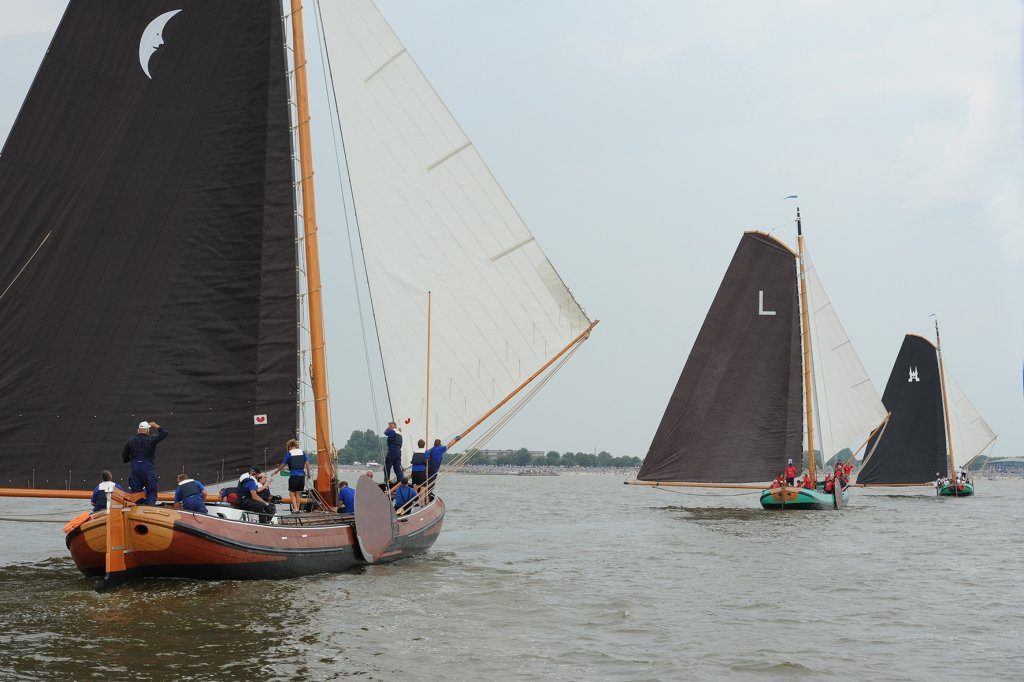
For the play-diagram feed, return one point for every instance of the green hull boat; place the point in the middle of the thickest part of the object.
(952, 490)
(803, 498)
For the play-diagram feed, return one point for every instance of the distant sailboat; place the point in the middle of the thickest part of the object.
(159, 258)
(752, 393)
(932, 423)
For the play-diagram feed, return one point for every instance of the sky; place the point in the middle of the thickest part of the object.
(639, 140)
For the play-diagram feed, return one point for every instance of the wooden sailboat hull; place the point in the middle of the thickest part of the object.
(163, 542)
(802, 498)
(954, 490)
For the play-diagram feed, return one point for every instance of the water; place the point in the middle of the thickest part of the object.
(571, 577)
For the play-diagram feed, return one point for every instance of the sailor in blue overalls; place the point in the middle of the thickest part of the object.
(140, 450)
(393, 460)
(190, 494)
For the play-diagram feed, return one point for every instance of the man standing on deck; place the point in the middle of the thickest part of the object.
(140, 450)
(434, 457)
(790, 473)
(393, 460)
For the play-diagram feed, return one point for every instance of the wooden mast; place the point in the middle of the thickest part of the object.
(806, 337)
(945, 402)
(325, 468)
(426, 420)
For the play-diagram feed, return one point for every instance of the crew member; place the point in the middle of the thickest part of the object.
(298, 469)
(99, 493)
(419, 467)
(434, 458)
(140, 450)
(777, 483)
(190, 495)
(249, 498)
(848, 470)
(829, 483)
(808, 482)
(393, 460)
(404, 496)
(790, 473)
(263, 488)
(347, 497)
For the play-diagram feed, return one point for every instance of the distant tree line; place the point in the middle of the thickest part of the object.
(367, 446)
(522, 457)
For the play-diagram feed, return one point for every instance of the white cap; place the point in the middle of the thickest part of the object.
(143, 425)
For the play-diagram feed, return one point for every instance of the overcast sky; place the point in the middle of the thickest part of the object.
(638, 140)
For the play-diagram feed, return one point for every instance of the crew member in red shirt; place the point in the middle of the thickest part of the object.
(808, 482)
(790, 473)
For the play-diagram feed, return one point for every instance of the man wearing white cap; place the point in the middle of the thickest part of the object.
(140, 450)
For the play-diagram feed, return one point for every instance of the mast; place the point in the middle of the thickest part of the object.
(806, 336)
(426, 420)
(325, 468)
(945, 402)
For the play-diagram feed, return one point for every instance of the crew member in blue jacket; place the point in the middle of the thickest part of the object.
(99, 493)
(140, 450)
(347, 497)
(434, 457)
(298, 469)
(190, 495)
(404, 496)
(393, 460)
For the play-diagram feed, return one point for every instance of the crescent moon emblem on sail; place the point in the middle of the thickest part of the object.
(152, 38)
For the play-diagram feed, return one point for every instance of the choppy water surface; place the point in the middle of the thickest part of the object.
(570, 577)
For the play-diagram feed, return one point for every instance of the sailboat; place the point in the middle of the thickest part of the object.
(756, 389)
(933, 421)
(159, 258)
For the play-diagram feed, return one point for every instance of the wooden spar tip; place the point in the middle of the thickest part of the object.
(581, 337)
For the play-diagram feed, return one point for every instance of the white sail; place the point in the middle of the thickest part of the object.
(847, 405)
(433, 218)
(971, 435)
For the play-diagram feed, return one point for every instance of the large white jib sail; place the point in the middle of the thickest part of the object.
(433, 218)
(847, 406)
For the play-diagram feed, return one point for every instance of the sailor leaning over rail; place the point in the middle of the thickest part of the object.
(190, 495)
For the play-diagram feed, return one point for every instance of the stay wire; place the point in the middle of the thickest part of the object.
(336, 112)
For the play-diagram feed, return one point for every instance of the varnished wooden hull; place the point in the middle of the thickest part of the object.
(164, 542)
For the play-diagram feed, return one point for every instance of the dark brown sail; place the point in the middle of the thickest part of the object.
(147, 249)
(912, 448)
(736, 412)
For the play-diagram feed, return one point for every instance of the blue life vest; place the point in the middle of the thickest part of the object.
(297, 464)
(188, 489)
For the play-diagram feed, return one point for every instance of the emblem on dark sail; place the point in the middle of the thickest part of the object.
(913, 375)
(152, 38)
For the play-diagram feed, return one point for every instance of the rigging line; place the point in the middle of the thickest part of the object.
(355, 211)
(491, 431)
(88, 176)
(4, 293)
